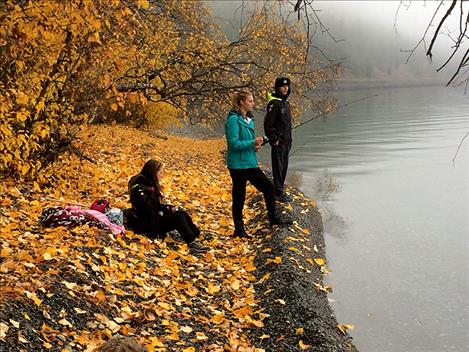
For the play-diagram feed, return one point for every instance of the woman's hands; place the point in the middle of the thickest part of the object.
(258, 143)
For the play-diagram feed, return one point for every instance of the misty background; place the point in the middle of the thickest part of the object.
(368, 38)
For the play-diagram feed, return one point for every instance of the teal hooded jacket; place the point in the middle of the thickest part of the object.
(240, 138)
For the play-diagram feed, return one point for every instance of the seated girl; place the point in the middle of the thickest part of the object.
(153, 218)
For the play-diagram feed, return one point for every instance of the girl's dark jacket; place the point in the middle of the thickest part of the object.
(147, 209)
(277, 122)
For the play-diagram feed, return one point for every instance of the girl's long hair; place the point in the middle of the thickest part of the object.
(237, 97)
(149, 171)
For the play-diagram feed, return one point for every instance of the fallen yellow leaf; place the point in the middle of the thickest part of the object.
(326, 289)
(277, 260)
(257, 323)
(241, 312)
(319, 261)
(100, 295)
(235, 285)
(155, 342)
(47, 256)
(218, 318)
(69, 285)
(164, 305)
(187, 329)
(65, 322)
(32, 296)
(303, 345)
(265, 277)
(47, 345)
(201, 336)
(212, 288)
(5, 252)
(344, 327)
(3, 330)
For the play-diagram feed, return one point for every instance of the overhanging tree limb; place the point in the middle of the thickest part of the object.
(437, 31)
(459, 76)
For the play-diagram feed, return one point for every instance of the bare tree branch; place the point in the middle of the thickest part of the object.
(437, 31)
(459, 147)
(459, 76)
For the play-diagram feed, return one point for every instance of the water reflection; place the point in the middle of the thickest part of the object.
(326, 186)
(295, 179)
(334, 224)
(323, 188)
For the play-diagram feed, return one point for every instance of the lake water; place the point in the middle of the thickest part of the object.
(396, 214)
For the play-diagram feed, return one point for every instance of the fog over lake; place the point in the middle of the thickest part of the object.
(371, 37)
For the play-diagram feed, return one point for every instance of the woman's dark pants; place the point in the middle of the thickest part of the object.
(260, 181)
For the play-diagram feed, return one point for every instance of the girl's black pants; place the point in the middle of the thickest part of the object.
(260, 181)
(180, 221)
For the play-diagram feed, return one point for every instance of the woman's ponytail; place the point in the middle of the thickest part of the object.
(238, 96)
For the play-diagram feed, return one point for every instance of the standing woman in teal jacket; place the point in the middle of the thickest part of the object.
(242, 161)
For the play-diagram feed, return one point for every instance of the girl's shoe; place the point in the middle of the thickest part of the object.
(240, 233)
(283, 198)
(197, 247)
(280, 220)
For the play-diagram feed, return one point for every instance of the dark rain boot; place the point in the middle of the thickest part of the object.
(275, 219)
(283, 198)
(239, 230)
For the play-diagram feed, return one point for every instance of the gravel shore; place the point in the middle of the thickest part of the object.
(292, 292)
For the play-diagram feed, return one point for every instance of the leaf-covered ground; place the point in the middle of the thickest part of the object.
(71, 290)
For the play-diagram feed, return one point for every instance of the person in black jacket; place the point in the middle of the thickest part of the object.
(278, 129)
(150, 216)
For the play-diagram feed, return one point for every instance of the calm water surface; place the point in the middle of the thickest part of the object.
(396, 213)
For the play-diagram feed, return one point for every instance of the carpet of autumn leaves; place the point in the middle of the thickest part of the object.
(68, 290)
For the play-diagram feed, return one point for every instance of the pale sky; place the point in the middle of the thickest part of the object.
(412, 19)
(379, 17)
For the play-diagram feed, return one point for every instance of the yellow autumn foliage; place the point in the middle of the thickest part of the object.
(130, 285)
(161, 62)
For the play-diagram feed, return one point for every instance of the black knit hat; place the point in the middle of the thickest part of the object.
(281, 81)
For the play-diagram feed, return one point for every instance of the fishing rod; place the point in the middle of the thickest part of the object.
(338, 108)
(325, 113)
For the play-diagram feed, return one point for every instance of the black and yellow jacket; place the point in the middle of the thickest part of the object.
(278, 121)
